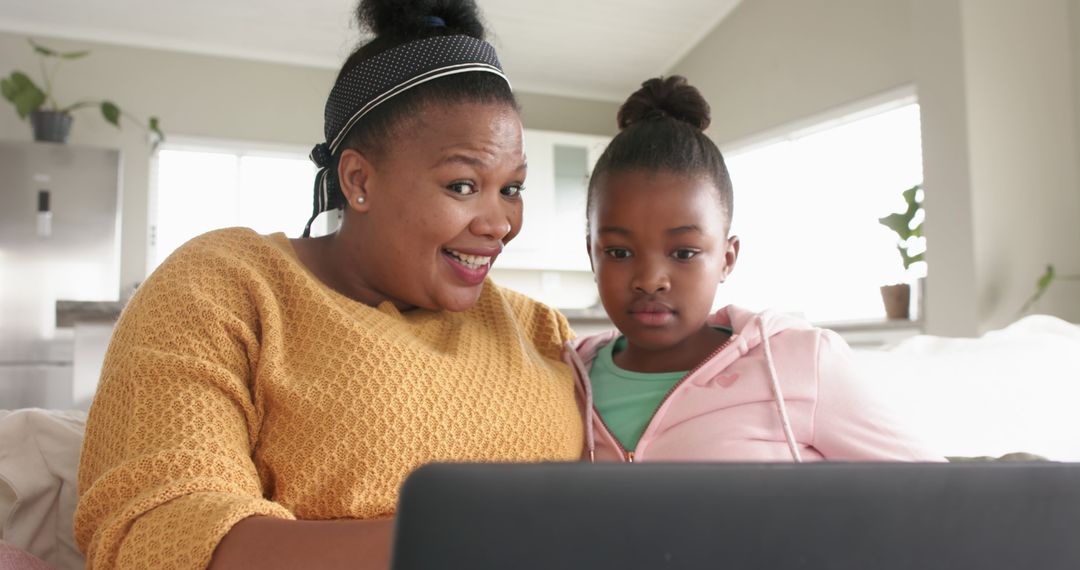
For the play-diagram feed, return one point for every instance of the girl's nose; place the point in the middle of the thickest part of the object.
(651, 280)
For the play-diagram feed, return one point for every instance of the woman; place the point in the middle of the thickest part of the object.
(263, 399)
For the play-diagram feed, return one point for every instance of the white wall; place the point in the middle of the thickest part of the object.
(1022, 141)
(997, 81)
(951, 307)
(771, 62)
(201, 96)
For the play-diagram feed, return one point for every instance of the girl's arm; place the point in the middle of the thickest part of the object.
(269, 544)
(850, 422)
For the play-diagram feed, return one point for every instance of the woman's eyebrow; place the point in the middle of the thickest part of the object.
(457, 158)
(472, 161)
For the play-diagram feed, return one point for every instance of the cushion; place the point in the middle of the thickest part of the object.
(13, 558)
(1011, 390)
(39, 461)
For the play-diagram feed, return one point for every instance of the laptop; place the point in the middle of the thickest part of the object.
(775, 516)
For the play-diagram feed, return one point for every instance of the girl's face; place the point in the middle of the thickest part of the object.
(440, 202)
(659, 247)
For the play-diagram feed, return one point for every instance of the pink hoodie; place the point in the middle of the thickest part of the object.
(778, 390)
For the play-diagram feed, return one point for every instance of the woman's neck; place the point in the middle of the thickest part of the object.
(336, 264)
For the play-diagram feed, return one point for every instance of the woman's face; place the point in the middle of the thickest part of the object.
(441, 200)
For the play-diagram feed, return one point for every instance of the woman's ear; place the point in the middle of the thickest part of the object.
(354, 175)
(731, 255)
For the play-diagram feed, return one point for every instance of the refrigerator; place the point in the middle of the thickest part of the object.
(59, 240)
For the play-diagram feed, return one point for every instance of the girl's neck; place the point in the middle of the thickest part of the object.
(682, 356)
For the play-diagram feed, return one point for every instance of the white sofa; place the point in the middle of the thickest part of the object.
(1012, 390)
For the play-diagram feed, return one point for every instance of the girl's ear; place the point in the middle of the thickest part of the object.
(355, 174)
(731, 255)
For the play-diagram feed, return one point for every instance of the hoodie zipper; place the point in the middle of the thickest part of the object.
(628, 456)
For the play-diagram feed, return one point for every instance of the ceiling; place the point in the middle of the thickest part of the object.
(597, 49)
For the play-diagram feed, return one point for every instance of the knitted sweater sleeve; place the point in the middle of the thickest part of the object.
(850, 422)
(166, 466)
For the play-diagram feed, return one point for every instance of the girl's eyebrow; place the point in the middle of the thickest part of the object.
(676, 230)
(614, 230)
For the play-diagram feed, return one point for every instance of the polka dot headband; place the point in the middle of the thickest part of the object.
(377, 80)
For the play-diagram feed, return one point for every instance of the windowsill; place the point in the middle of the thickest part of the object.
(858, 334)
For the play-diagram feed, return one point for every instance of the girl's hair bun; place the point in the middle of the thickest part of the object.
(408, 19)
(663, 97)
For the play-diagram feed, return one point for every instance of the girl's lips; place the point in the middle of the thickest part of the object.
(652, 313)
(653, 319)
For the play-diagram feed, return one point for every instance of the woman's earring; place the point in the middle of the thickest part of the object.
(360, 199)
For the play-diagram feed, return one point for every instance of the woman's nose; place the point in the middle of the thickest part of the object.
(495, 217)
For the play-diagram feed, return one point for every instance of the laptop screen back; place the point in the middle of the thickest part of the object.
(811, 516)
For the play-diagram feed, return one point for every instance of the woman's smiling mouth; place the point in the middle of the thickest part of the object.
(470, 266)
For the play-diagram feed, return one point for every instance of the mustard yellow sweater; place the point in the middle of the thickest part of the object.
(237, 384)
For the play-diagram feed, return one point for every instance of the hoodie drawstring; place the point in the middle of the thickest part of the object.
(571, 357)
(778, 395)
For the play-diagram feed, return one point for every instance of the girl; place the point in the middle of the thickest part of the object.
(676, 383)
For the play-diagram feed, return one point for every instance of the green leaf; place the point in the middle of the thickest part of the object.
(909, 196)
(7, 88)
(1040, 288)
(155, 127)
(42, 50)
(75, 54)
(1046, 279)
(897, 223)
(910, 259)
(23, 93)
(111, 112)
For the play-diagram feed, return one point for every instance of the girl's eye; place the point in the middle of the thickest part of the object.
(617, 252)
(462, 188)
(513, 190)
(685, 254)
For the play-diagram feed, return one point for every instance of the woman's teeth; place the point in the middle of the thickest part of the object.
(470, 261)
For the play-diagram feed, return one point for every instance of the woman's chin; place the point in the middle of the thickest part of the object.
(460, 298)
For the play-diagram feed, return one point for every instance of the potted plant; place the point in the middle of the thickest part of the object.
(51, 121)
(1043, 283)
(897, 298)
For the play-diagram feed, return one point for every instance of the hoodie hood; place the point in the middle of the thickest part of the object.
(749, 331)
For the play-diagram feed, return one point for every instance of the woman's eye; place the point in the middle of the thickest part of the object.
(462, 188)
(684, 254)
(513, 190)
(617, 252)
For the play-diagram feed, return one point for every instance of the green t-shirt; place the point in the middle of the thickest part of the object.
(626, 400)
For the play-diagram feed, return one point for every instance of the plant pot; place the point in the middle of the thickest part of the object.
(51, 126)
(897, 299)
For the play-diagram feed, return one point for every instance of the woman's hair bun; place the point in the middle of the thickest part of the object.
(663, 97)
(406, 19)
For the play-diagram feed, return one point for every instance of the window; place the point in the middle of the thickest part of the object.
(807, 209)
(203, 187)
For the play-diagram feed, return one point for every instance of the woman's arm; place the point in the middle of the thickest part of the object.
(269, 543)
(166, 467)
